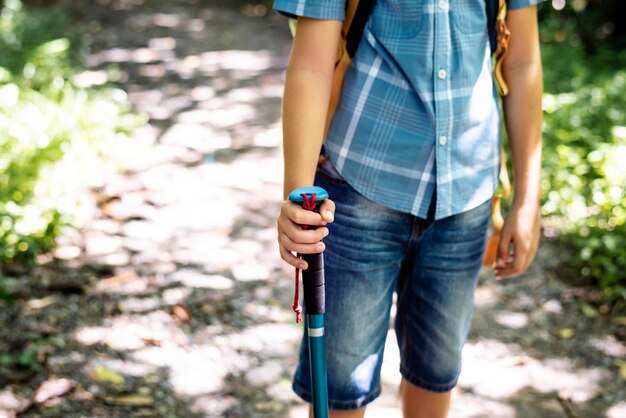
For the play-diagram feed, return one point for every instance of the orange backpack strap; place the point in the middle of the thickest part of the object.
(504, 189)
(503, 192)
(502, 43)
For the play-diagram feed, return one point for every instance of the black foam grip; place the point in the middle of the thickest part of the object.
(313, 284)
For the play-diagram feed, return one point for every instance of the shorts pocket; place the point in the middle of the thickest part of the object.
(397, 18)
(329, 173)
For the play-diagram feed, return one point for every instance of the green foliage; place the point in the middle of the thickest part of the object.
(30, 357)
(52, 131)
(5, 290)
(567, 66)
(585, 156)
(598, 23)
(37, 44)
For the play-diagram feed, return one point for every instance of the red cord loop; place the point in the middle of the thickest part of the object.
(308, 204)
(296, 299)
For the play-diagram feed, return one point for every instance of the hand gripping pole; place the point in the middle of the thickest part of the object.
(313, 277)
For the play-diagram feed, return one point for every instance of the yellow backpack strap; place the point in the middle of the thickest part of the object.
(502, 42)
(503, 192)
(504, 188)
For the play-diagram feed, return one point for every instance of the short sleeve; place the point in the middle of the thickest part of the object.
(520, 4)
(316, 9)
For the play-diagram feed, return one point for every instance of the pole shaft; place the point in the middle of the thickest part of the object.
(318, 365)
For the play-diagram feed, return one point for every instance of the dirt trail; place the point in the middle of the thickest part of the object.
(173, 302)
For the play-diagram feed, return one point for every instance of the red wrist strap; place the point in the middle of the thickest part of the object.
(308, 204)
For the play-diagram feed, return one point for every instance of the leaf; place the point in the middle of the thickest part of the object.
(53, 388)
(151, 341)
(565, 333)
(181, 312)
(55, 47)
(106, 284)
(622, 371)
(103, 374)
(588, 310)
(133, 399)
(37, 304)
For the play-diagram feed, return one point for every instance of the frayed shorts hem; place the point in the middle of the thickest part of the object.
(360, 402)
(431, 387)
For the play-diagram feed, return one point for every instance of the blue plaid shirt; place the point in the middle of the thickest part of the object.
(419, 111)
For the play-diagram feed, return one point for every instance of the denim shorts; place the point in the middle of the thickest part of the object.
(371, 252)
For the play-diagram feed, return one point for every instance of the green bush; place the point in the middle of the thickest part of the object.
(53, 132)
(585, 156)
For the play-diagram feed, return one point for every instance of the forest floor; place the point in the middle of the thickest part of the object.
(173, 302)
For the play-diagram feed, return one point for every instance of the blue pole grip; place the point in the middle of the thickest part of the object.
(320, 194)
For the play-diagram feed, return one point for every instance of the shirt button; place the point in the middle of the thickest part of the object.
(442, 74)
(443, 140)
(442, 4)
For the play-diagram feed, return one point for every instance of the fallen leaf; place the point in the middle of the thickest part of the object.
(151, 341)
(107, 375)
(133, 399)
(588, 310)
(37, 304)
(84, 395)
(181, 312)
(565, 333)
(12, 404)
(106, 204)
(622, 371)
(106, 284)
(53, 388)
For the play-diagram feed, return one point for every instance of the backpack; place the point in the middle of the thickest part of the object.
(357, 15)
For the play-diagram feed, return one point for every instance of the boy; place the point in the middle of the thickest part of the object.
(413, 161)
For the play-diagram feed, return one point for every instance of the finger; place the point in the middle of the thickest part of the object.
(290, 245)
(292, 259)
(504, 265)
(299, 215)
(505, 273)
(327, 210)
(514, 266)
(504, 249)
(520, 256)
(299, 235)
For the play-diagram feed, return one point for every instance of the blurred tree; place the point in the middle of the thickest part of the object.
(597, 22)
(47, 121)
(585, 138)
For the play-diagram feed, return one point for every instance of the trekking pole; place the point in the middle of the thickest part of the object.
(314, 303)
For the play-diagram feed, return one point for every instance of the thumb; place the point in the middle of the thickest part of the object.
(327, 210)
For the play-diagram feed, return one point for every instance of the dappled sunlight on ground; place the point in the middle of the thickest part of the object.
(172, 300)
(499, 371)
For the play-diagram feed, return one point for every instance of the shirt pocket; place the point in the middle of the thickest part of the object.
(397, 18)
(469, 16)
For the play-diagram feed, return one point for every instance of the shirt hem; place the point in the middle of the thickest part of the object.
(423, 212)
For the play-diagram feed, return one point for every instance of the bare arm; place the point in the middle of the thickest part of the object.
(307, 93)
(305, 103)
(522, 113)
